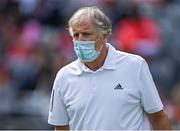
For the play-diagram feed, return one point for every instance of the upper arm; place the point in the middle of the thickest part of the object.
(58, 114)
(155, 116)
(150, 98)
(65, 127)
(159, 120)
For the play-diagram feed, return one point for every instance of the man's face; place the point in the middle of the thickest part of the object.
(86, 31)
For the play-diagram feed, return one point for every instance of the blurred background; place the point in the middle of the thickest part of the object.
(35, 44)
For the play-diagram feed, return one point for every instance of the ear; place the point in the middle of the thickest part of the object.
(105, 37)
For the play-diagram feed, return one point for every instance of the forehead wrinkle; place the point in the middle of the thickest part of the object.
(83, 28)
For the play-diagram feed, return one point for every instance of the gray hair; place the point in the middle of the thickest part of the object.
(99, 19)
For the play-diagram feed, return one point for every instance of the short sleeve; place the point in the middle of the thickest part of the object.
(150, 97)
(57, 110)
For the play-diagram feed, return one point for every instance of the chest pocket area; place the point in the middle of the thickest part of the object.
(118, 95)
(77, 97)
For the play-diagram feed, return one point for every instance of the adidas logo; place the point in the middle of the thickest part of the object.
(118, 87)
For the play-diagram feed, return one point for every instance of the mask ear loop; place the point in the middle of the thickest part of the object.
(101, 45)
(100, 48)
(97, 39)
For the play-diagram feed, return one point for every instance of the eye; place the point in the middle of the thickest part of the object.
(75, 35)
(86, 34)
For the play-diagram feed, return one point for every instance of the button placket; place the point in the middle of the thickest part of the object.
(91, 83)
(94, 80)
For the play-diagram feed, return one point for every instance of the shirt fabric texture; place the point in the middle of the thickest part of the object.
(115, 97)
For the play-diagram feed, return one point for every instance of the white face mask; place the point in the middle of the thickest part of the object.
(85, 50)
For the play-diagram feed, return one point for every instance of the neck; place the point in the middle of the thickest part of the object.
(96, 64)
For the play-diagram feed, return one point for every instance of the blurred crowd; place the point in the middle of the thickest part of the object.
(35, 44)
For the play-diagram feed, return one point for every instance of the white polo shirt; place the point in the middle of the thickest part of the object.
(112, 98)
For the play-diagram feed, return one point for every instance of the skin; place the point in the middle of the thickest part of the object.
(87, 31)
(159, 121)
(61, 128)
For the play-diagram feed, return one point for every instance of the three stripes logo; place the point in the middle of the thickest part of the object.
(118, 87)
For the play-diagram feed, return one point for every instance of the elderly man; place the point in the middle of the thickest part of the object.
(104, 89)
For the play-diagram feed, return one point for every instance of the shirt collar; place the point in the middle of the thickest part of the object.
(110, 61)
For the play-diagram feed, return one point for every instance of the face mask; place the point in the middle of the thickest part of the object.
(85, 50)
